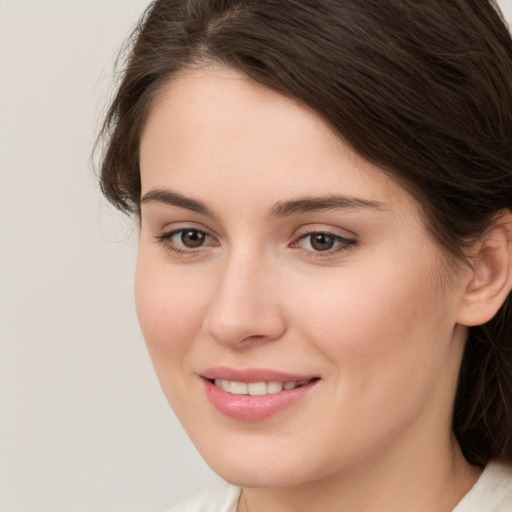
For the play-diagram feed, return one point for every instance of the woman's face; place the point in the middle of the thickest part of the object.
(277, 261)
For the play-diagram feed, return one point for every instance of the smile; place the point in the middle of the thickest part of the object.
(255, 395)
(258, 388)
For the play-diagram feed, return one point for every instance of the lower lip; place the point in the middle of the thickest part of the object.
(254, 408)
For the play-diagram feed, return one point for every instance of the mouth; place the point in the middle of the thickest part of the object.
(258, 388)
(255, 395)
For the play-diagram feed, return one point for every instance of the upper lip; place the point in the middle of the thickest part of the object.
(252, 375)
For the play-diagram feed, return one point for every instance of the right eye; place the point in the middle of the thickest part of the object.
(185, 240)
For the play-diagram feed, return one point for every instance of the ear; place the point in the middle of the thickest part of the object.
(490, 279)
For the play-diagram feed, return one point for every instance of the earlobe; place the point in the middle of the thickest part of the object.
(491, 277)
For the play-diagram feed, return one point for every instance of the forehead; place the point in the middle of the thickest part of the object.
(215, 132)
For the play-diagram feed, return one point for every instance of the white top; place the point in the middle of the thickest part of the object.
(219, 497)
(491, 493)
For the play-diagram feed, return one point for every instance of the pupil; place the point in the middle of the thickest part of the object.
(192, 238)
(322, 242)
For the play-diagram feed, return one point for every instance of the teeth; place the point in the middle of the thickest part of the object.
(274, 387)
(257, 388)
(238, 388)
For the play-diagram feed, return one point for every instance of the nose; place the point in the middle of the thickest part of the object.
(245, 310)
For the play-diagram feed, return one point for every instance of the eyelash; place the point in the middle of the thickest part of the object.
(342, 244)
(166, 240)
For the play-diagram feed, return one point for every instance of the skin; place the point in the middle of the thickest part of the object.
(373, 318)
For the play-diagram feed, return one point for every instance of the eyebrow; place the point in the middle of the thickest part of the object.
(175, 199)
(329, 202)
(281, 209)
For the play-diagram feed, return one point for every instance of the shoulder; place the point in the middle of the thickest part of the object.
(491, 493)
(219, 497)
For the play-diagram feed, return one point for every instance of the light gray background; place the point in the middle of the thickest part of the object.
(83, 423)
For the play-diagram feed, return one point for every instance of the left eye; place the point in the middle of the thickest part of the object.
(192, 238)
(322, 242)
(186, 238)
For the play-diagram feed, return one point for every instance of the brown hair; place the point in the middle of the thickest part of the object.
(422, 89)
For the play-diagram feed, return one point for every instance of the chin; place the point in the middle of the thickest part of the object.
(263, 466)
(259, 476)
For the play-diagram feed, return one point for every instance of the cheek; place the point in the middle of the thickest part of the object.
(380, 330)
(388, 354)
(169, 307)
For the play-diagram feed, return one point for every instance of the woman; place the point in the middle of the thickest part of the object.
(323, 191)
